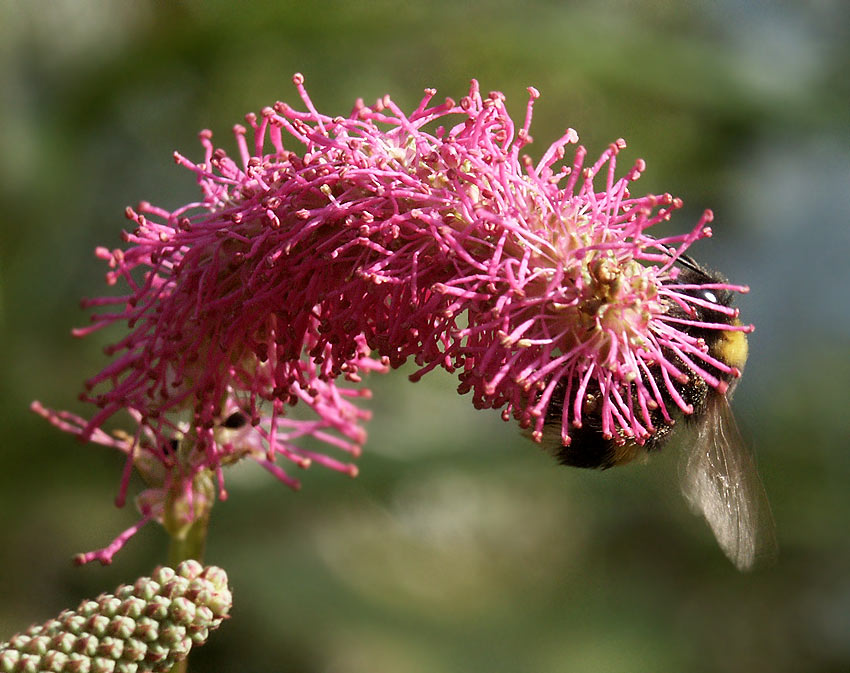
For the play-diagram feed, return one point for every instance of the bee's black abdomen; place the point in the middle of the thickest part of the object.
(587, 448)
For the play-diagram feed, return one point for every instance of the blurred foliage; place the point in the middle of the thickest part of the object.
(460, 547)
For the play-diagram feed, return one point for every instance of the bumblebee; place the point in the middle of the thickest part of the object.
(718, 475)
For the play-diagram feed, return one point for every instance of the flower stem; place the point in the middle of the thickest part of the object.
(190, 544)
(180, 666)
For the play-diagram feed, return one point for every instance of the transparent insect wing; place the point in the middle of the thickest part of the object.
(720, 481)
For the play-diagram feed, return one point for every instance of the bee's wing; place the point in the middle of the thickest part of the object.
(720, 481)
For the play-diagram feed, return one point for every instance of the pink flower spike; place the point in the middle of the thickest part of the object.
(331, 246)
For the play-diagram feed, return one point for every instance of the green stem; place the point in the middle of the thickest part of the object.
(189, 542)
(180, 666)
(192, 542)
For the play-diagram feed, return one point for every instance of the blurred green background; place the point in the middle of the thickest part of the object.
(461, 547)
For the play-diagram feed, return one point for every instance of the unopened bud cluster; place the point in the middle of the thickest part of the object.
(146, 626)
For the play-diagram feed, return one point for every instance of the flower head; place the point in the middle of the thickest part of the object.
(426, 235)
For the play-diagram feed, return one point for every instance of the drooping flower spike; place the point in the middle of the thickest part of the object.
(428, 235)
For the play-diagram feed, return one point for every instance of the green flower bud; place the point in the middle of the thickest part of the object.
(143, 627)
